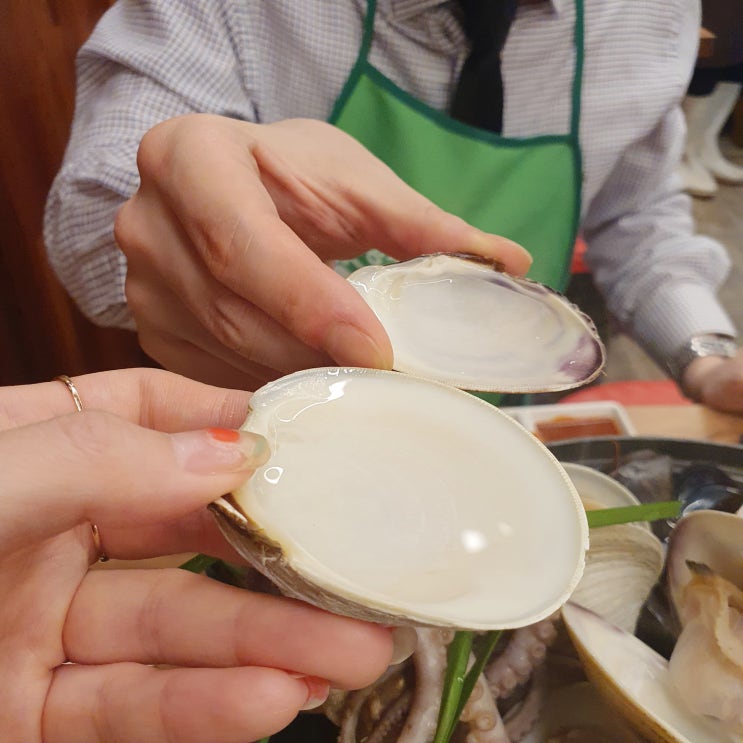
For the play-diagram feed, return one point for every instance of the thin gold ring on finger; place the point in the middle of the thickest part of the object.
(98, 546)
(67, 382)
(102, 556)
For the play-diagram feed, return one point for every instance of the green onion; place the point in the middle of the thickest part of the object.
(459, 682)
(478, 666)
(198, 563)
(626, 514)
(457, 657)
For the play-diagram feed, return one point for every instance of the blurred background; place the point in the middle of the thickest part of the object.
(41, 333)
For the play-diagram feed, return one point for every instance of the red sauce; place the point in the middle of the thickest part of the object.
(566, 427)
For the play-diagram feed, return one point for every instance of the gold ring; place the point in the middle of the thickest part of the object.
(102, 556)
(67, 382)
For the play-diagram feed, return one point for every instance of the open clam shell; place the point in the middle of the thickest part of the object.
(393, 498)
(578, 714)
(634, 679)
(623, 564)
(597, 489)
(459, 320)
(705, 580)
(710, 538)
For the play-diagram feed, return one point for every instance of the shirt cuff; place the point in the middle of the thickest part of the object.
(674, 314)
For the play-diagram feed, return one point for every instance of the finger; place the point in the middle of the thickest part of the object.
(195, 532)
(150, 397)
(128, 702)
(183, 356)
(374, 208)
(175, 617)
(247, 247)
(97, 467)
(209, 316)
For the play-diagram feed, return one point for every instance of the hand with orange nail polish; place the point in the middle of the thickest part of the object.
(93, 656)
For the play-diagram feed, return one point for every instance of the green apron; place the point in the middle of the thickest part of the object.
(528, 190)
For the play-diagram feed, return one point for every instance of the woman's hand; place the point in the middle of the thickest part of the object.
(79, 649)
(228, 237)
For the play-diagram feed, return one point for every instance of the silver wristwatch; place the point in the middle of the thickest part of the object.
(710, 344)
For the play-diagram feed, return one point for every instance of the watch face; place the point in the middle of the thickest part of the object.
(712, 345)
(699, 347)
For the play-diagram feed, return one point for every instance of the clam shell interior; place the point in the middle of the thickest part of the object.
(634, 679)
(712, 538)
(405, 500)
(461, 322)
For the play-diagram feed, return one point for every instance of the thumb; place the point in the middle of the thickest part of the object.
(95, 466)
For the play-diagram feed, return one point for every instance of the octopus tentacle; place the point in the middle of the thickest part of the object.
(391, 719)
(520, 720)
(525, 651)
(355, 703)
(481, 717)
(429, 660)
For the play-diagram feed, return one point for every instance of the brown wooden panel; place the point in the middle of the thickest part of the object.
(41, 333)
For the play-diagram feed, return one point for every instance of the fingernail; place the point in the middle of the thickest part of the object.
(346, 344)
(317, 690)
(213, 451)
(404, 642)
(515, 258)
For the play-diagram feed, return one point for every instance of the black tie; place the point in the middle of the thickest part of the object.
(478, 99)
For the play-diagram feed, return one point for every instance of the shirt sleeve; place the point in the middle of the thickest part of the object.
(146, 61)
(659, 278)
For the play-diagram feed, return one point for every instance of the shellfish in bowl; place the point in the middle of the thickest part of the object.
(635, 680)
(624, 561)
(705, 582)
(697, 695)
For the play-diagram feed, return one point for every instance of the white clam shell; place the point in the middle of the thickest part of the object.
(405, 500)
(459, 321)
(624, 561)
(577, 712)
(634, 679)
(712, 538)
(623, 564)
(598, 490)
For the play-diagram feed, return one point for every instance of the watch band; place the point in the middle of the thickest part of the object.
(699, 346)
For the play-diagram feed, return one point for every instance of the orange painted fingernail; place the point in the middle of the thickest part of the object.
(214, 451)
(224, 434)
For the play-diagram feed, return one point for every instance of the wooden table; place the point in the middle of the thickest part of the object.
(686, 422)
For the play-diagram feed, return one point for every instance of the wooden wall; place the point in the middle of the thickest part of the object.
(41, 333)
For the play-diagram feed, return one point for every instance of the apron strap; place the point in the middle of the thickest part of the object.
(360, 64)
(366, 41)
(578, 42)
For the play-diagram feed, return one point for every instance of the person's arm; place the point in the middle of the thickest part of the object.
(145, 62)
(226, 237)
(660, 279)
